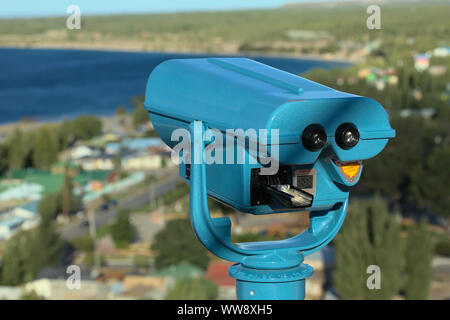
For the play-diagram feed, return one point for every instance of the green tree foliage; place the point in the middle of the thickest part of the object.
(140, 114)
(431, 180)
(3, 159)
(418, 269)
(64, 134)
(27, 253)
(370, 236)
(122, 231)
(45, 151)
(83, 243)
(86, 127)
(121, 110)
(18, 264)
(17, 151)
(46, 238)
(193, 289)
(443, 247)
(67, 194)
(398, 161)
(31, 295)
(50, 205)
(177, 243)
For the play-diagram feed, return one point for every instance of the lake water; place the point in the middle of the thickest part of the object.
(54, 84)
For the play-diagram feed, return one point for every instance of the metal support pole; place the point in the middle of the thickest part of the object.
(270, 284)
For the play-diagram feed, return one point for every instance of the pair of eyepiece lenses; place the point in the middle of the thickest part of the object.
(314, 137)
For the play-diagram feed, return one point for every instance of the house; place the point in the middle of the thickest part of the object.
(57, 289)
(11, 293)
(437, 70)
(102, 162)
(83, 152)
(24, 191)
(144, 161)
(426, 113)
(9, 227)
(29, 212)
(136, 145)
(441, 52)
(218, 273)
(155, 285)
(421, 62)
(136, 286)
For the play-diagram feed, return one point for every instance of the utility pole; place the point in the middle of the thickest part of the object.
(93, 233)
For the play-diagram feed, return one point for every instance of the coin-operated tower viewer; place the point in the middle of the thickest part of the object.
(316, 139)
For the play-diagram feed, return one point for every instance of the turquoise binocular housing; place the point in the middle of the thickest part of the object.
(281, 143)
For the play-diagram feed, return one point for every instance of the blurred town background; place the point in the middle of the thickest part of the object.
(101, 191)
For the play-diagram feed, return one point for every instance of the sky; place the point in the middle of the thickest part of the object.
(40, 8)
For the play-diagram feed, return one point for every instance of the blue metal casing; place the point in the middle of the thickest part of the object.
(238, 93)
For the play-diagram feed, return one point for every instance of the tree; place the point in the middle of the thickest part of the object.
(86, 127)
(3, 159)
(418, 269)
(121, 110)
(351, 247)
(64, 134)
(122, 231)
(193, 289)
(46, 240)
(49, 206)
(177, 243)
(370, 236)
(140, 116)
(67, 194)
(16, 150)
(390, 172)
(431, 180)
(18, 265)
(45, 151)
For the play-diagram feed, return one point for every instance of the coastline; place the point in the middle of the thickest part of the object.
(7, 128)
(266, 54)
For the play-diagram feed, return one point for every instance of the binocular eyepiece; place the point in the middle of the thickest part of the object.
(314, 137)
(347, 136)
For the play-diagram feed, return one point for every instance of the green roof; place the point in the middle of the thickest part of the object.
(179, 271)
(22, 173)
(51, 182)
(85, 177)
(54, 182)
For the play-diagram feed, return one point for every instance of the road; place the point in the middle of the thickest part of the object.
(78, 228)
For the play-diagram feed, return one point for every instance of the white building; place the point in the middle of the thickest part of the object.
(59, 290)
(20, 218)
(9, 227)
(144, 161)
(96, 163)
(83, 152)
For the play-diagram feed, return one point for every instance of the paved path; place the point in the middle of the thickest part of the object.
(158, 189)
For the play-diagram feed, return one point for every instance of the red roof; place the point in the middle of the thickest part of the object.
(218, 272)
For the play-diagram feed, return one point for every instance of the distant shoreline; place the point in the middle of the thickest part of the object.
(8, 127)
(266, 54)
